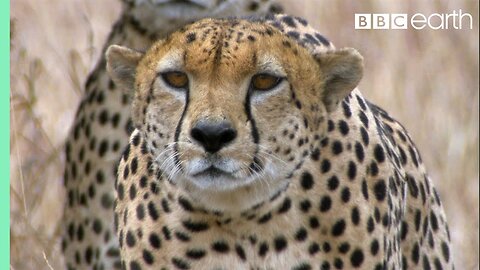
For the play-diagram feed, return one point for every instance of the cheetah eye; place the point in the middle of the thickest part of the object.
(175, 79)
(264, 82)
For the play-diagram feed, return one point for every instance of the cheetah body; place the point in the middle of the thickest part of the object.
(316, 177)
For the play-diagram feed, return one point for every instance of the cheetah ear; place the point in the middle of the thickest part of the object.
(341, 72)
(121, 65)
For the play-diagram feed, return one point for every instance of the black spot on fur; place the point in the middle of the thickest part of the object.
(289, 21)
(338, 228)
(195, 254)
(332, 183)
(363, 119)
(130, 239)
(445, 251)
(325, 203)
(325, 166)
(265, 218)
(154, 241)
(280, 243)
(313, 222)
(195, 226)
(263, 249)
(185, 204)
(287, 203)
(359, 152)
(147, 257)
(355, 215)
(343, 127)
(294, 34)
(337, 147)
(191, 37)
(310, 39)
(352, 170)
(346, 110)
(152, 211)
(301, 234)
(182, 236)
(380, 190)
(379, 153)
(240, 252)
(180, 263)
(357, 258)
(322, 39)
(220, 246)
(307, 181)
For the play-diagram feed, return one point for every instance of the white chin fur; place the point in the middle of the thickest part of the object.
(217, 184)
(199, 164)
(234, 195)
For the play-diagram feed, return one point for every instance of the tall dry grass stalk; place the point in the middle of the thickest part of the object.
(427, 79)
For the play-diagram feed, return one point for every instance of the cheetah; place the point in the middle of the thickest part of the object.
(102, 127)
(254, 149)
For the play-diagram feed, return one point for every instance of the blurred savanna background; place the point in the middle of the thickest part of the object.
(427, 79)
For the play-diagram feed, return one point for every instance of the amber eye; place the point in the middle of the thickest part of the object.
(175, 79)
(265, 82)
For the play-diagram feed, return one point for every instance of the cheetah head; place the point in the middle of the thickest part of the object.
(230, 108)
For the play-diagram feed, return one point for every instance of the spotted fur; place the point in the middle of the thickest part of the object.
(317, 177)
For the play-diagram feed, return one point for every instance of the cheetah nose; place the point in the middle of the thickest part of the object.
(213, 135)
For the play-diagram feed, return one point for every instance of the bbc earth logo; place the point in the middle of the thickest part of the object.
(435, 21)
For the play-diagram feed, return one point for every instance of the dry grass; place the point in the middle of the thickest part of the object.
(427, 79)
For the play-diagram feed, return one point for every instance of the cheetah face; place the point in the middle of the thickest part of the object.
(229, 108)
(220, 140)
